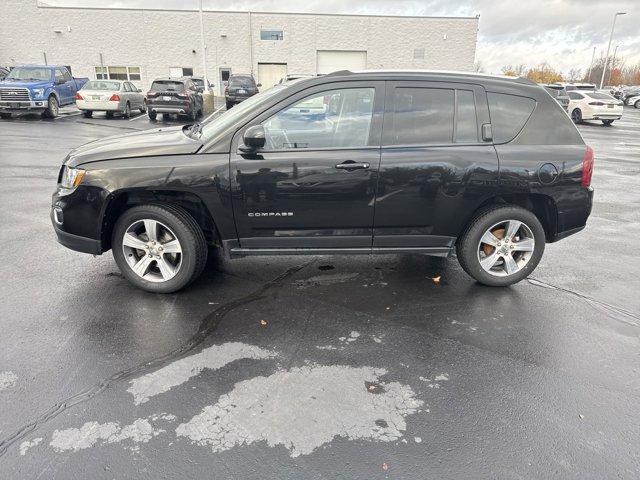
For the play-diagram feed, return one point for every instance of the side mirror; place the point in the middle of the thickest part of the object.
(60, 81)
(253, 139)
(259, 85)
(139, 90)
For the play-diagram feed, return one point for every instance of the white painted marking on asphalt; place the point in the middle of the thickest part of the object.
(305, 408)
(212, 114)
(139, 117)
(7, 380)
(27, 444)
(178, 372)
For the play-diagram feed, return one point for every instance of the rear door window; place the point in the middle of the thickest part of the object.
(509, 113)
(422, 116)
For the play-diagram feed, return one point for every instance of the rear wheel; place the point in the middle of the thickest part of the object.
(87, 114)
(229, 105)
(637, 104)
(53, 107)
(607, 122)
(501, 246)
(5, 115)
(143, 109)
(193, 115)
(152, 115)
(576, 116)
(127, 111)
(159, 248)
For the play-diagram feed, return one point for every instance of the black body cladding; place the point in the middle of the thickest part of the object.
(402, 185)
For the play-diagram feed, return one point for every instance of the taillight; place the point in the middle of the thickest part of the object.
(115, 98)
(183, 95)
(151, 94)
(78, 96)
(587, 167)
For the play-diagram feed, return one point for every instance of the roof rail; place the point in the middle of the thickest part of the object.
(338, 73)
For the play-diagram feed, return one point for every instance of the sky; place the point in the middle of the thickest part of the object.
(562, 33)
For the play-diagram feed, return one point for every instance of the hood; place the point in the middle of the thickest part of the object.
(7, 82)
(160, 141)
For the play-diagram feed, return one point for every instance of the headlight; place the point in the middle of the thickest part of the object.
(38, 92)
(72, 177)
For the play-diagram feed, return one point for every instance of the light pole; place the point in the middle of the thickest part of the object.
(593, 55)
(204, 50)
(613, 64)
(606, 59)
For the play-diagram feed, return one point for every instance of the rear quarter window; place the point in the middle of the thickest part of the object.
(509, 113)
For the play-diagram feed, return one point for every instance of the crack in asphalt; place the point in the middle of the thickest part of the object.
(617, 313)
(207, 326)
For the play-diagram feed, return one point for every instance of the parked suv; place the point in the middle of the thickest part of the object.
(488, 168)
(178, 96)
(559, 94)
(240, 88)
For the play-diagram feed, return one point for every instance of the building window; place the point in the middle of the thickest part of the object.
(177, 72)
(117, 73)
(271, 34)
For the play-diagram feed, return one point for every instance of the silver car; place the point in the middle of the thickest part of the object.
(110, 96)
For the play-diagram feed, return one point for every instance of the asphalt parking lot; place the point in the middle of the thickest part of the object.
(323, 367)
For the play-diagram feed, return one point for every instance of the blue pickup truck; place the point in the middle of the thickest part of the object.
(38, 88)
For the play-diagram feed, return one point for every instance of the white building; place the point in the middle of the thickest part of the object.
(140, 45)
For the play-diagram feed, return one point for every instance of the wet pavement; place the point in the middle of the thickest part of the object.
(318, 367)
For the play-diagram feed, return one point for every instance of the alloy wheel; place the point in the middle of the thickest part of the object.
(152, 250)
(506, 248)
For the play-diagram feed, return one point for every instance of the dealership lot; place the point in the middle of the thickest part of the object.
(325, 367)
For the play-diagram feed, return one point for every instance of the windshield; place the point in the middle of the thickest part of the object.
(198, 81)
(218, 124)
(167, 85)
(241, 82)
(101, 85)
(600, 96)
(23, 73)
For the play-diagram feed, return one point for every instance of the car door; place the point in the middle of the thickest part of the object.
(313, 184)
(129, 93)
(435, 167)
(63, 87)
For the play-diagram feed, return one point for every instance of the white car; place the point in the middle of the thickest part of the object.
(634, 101)
(584, 105)
(110, 96)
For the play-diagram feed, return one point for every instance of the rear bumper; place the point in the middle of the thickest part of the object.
(99, 106)
(574, 219)
(236, 98)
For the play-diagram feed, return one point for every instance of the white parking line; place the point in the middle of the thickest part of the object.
(214, 112)
(138, 117)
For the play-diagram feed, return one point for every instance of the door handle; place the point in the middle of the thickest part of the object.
(351, 165)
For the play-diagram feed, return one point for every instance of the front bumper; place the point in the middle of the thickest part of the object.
(76, 217)
(24, 106)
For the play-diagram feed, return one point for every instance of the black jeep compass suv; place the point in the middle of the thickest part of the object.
(488, 168)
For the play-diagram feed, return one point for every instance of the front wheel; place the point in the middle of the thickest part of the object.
(87, 113)
(606, 123)
(143, 109)
(159, 248)
(53, 107)
(5, 115)
(576, 116)
(501, 246)
(637, 104)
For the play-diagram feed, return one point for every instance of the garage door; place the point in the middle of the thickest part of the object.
(270, 73)
(334, 60)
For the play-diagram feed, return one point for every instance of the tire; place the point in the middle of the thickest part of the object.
(229, 105)
(606, 123)
(637, 104)
(87, 113)
(152, 115)
(109, 114)
(193, 114)
(143, 109)
(127, 111)
(576, 115)
(5, 115)
(173, 223)
(470, 248)
(53, 107)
